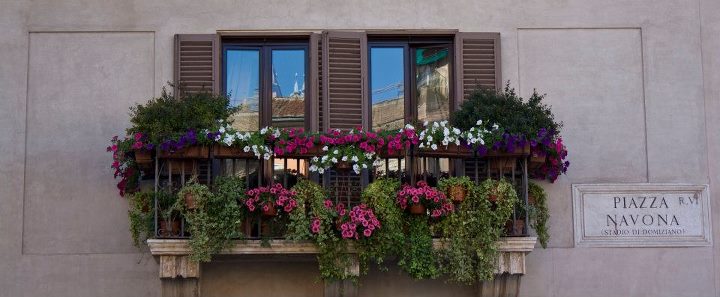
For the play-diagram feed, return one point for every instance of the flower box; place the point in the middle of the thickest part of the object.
(384, 154)
(190, 152)
(450, 151)
(143, 157)
(523, 151)
(314, 151)
(233, 152)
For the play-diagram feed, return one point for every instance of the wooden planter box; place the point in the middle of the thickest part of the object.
(451, 151)
(231, 152)
(518, 152)
(315, 151)
(191, 152)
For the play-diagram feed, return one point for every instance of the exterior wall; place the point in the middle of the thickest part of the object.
(637, 84)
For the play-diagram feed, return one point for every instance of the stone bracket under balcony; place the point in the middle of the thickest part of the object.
(180, 275)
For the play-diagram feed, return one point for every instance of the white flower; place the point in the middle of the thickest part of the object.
(228, 141)
(425, 123)
(266, 156)
(263, 130)
(478, 123)
(436, 125)
(354, 158)
(433, 147)
(456, 131)
(324, 158)
(495, 127)
(422, 145)
(246, 149)
(429, 138)
(356, 168)
(364, 166)
(446, 131)
(313, 168)
(409, 127)
(321, 170)
(276, 133)
(325, 148)
(344, 158)
(335, 152)
(457, 141)
(222, 130)
(315, 159)
(334, 160)
(445, 142)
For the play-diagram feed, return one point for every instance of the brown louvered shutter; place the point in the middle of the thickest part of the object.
(197, 62)
(477, 63)
(344, 63)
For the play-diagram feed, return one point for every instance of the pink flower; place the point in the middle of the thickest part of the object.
(367, 232)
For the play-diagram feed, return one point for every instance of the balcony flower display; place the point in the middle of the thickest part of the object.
(438, 133)
(356, 148)
(424, 198)
(270, 199)
(358, 222)
(293, 141)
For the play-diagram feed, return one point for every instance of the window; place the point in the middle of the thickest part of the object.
(266, 80)
(409, 81)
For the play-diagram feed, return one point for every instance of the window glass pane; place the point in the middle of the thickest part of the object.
(242, 83)
(288, 88)
(433, 86)
(387, 85)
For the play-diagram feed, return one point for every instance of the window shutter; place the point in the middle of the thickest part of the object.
(344, 70)
(197, 62)
(478, 63)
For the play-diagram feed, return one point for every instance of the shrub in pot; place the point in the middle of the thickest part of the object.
(456, 188)
(168, 214)
(193, 195)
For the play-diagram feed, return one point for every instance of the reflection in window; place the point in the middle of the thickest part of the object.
(432, 84)
(242, 81)
(387, 85)
(288, 88)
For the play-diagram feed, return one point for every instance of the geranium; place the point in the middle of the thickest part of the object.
(270, 196)
(434, 200)
(359, 222)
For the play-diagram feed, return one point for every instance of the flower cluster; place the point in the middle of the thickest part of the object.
(548, 144)
(433, 199)
(358, 148)
(402, 140)
(293, 140)
(477, 136)
(271, 196)
(125, 166)
(359, 221)
(438, 133)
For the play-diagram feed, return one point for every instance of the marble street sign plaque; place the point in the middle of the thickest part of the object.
(641, 215)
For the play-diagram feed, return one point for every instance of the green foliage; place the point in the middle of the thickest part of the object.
(506, 109)
(166, 204)
(380, 196)
(169, 115)
(141, 213)
(539, 213)
(444, 184)
(307, 192)
(215, 222)
(470, 234)
(417, 257)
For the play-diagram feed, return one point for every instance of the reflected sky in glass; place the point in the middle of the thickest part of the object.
(387, 73)
(288, 72)
(242, 78)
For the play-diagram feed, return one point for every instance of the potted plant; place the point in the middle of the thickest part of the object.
(469, 235)
(193, 194)
(539, 214)
(390, 238)
(169, 216)
(418, 257)
(271, 200)
(440, 139)
(140, 215)
(456, 187)
(214, 223)
(424, 199)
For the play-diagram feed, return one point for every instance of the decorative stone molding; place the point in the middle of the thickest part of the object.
(178, 271)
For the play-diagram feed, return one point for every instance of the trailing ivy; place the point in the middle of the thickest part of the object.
(141, 214)
(380, 196)
(471, 232)
(539, 214)
(215, 222)
(418, 257)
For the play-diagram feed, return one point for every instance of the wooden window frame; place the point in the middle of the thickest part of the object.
(265, 46)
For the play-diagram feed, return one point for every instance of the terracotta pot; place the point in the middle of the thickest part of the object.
(531, 199)
(271, 212)
(457, 193)
(170, 228)
(493, 197)
(190, 201)
(515, 227)
(418, 209)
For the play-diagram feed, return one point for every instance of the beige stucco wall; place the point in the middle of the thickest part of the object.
(636, 82)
